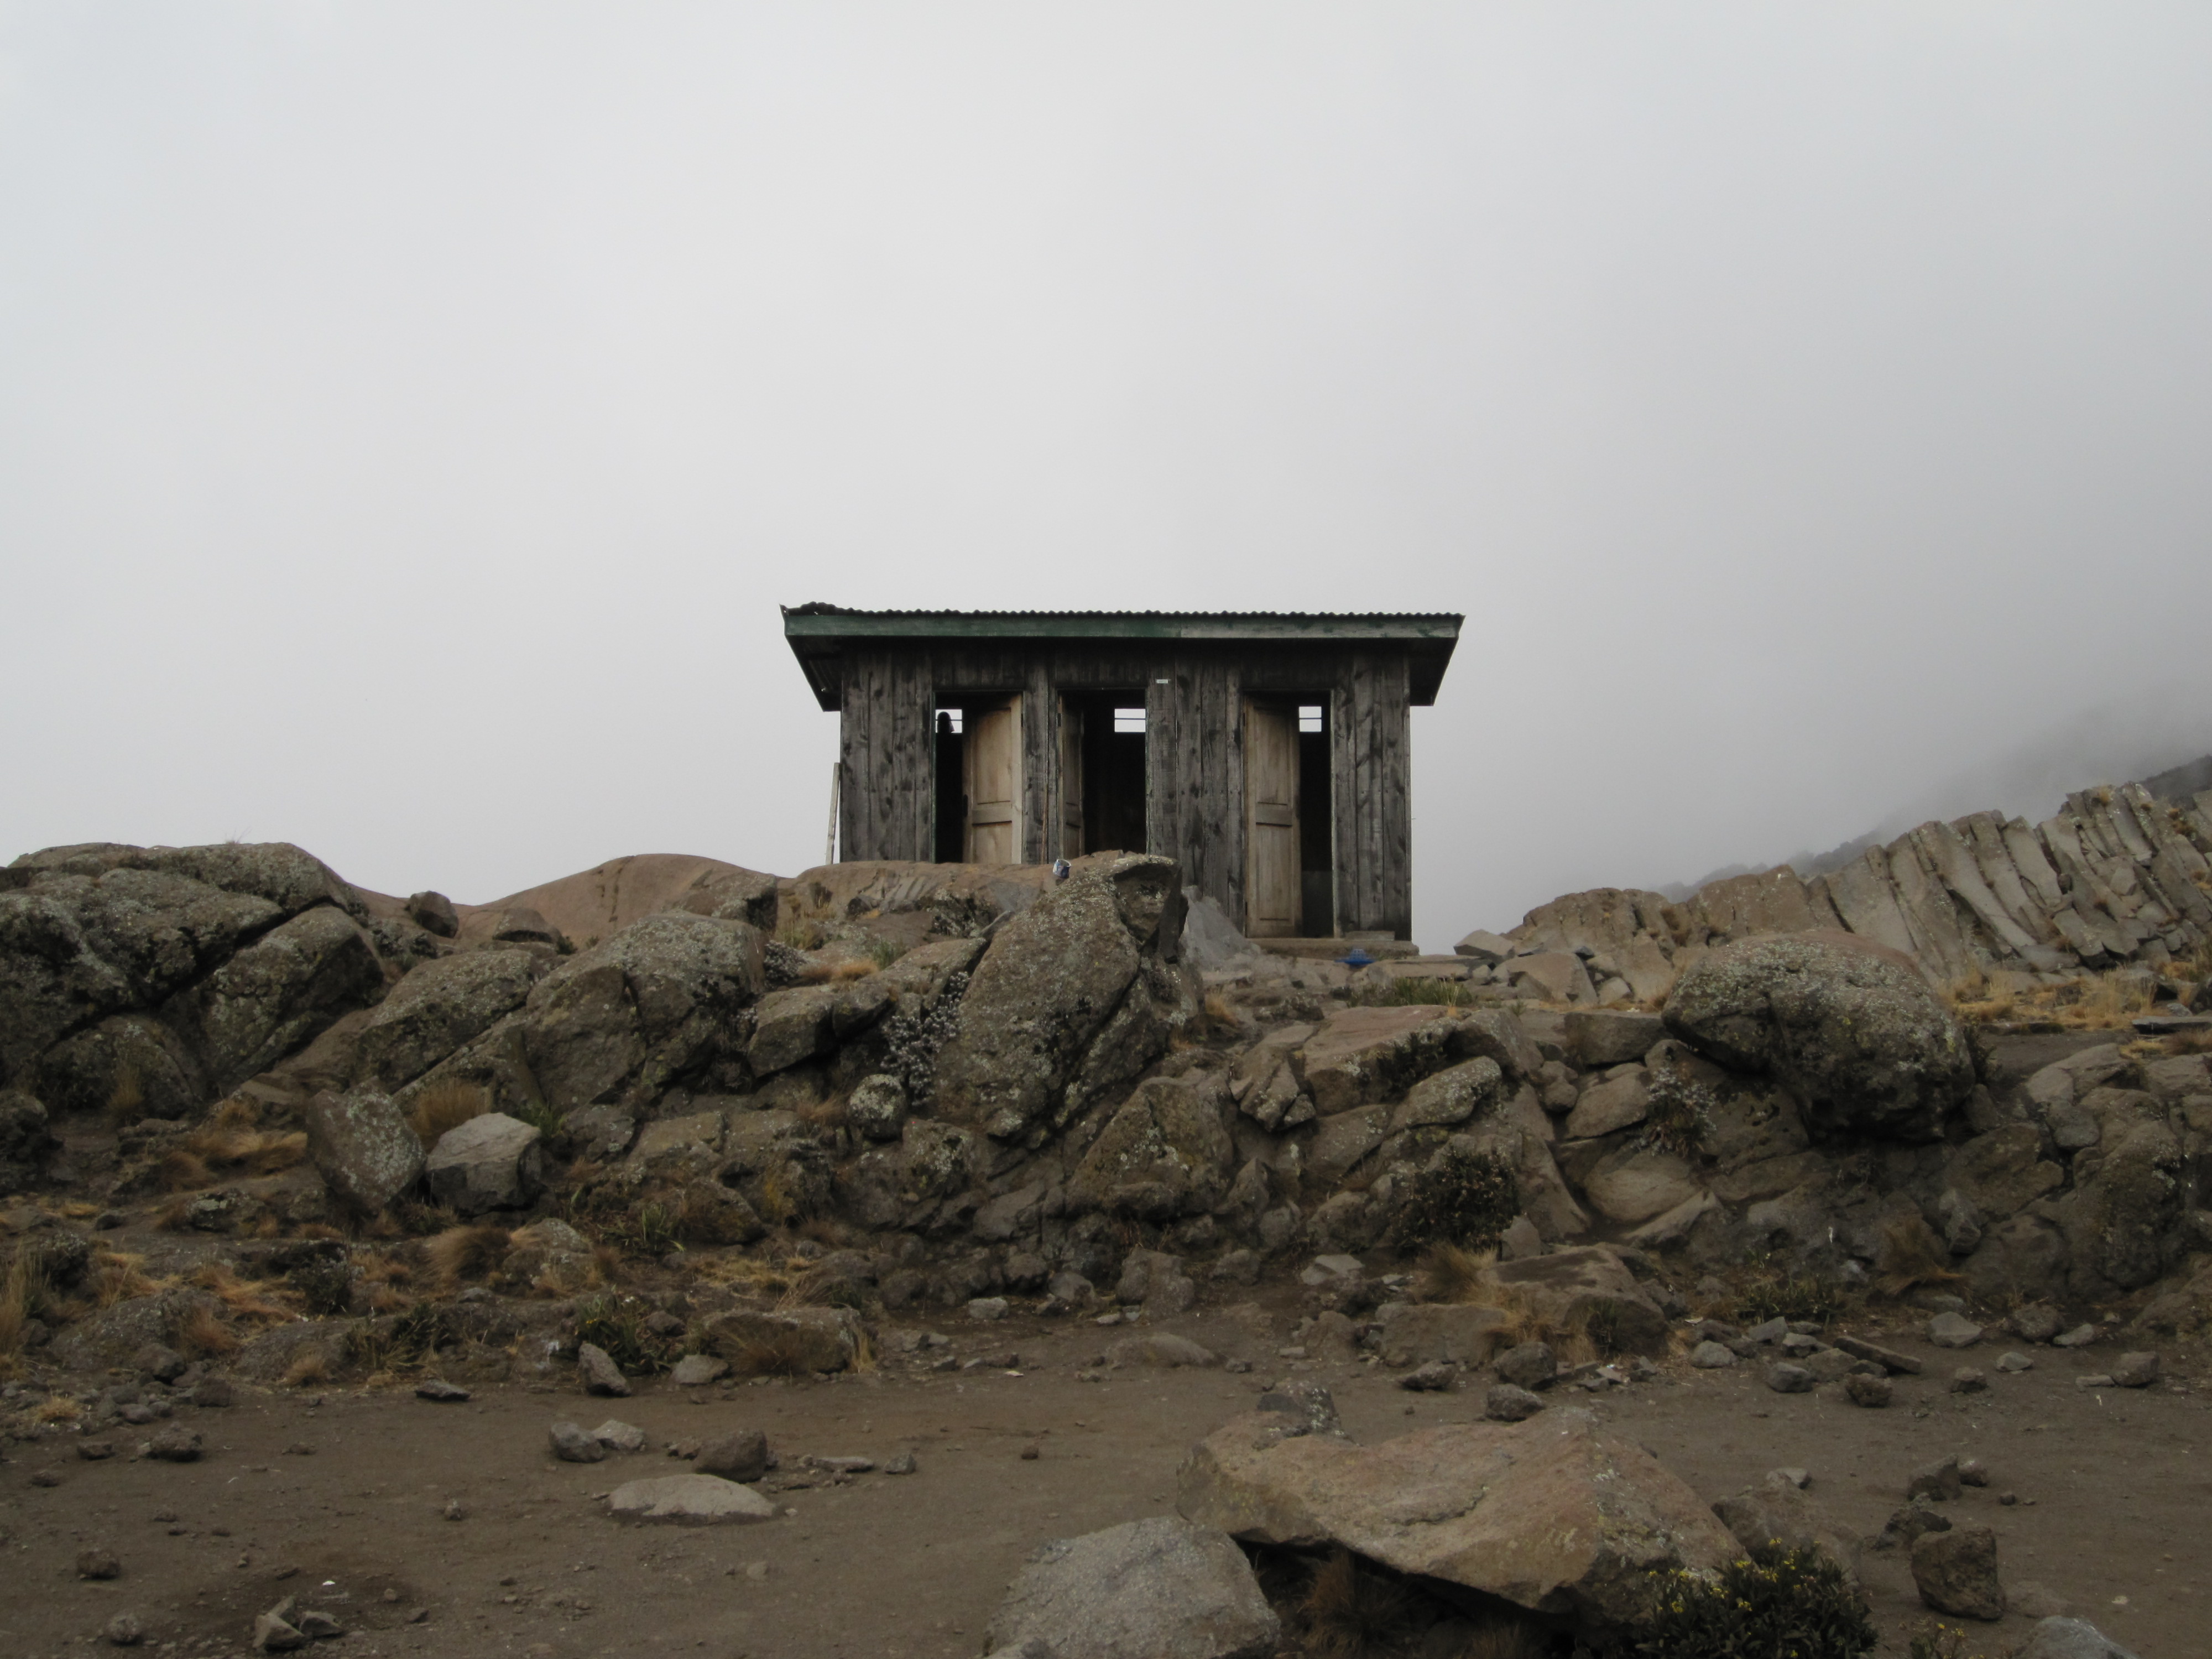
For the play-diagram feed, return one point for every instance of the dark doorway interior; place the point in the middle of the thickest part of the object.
(951, 792)
(1113, 770)
(1316, 825)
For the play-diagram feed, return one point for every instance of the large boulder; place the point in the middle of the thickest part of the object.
(625, 1018)
(277, 993)
(127, 1065)
(360, 1143)
(1852, 1028)
(1166, 1153)
(489, 1161)
(1554, 1515)
(1161, 1587)
(1046, 1025)
(1367, 1055)
(437, 1008)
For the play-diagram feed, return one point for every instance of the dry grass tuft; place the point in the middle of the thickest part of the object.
(445, 1105)
(460, 1252)
(1910, 1254)
(127, 1099)
(830, 1114)
(836, 973)
(1451, 1273)
(230, 1143)
(781, 1353)
(1352, 1613)
(309, 1365)
(58, 1408)
(23, 1295)
(115, 1277)
(204, 1336)
(1982, 996)
(244, 1299)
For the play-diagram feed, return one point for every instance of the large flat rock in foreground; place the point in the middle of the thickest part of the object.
(1554, 1515)
(693, 1499)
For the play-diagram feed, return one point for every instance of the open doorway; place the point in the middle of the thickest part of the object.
(1103, 771)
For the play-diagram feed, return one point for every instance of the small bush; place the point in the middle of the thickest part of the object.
(1779, 1602)
(24, 1297)
(1798, 1296)
(1681, 1115)
(618, 1324)
(1463, 1197)
(1910, 1254)
(912, 1041)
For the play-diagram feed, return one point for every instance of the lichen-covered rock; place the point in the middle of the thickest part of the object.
(627, 1018)
(877, 1109)
(1363, 1056)
(2122, 1219)
(1554, 1515)
(361, 1144)
(1159, 1587)
(1165, 1153)
(1851, 1027)
(25, 1140)
(277, 993)
(128, 1066)
(489, 1161)
(1054, 976)
(437, 1008)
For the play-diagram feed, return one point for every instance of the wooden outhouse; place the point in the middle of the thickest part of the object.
(1268, 753)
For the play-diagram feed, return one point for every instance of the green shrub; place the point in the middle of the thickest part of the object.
(1798, 1296)
(617, 1325)
(1681, 1115)
(1778, 1604)
(1463, 1197)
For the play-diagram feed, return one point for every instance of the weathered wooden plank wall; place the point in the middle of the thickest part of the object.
(1194, 774)
(1370, 792)
(1195, 755)
(887, 808)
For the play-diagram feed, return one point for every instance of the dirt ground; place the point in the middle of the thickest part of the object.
(340, 1499)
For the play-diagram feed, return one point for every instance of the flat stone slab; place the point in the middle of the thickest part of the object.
(1554, 1514)
(692, 1499)
(1888, 1359)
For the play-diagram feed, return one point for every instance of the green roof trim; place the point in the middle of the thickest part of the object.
(833, 621)
(820, 634)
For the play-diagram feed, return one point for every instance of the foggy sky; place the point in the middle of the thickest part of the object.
(412, 416)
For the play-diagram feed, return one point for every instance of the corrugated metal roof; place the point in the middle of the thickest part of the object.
(819, 633)
(819, 608)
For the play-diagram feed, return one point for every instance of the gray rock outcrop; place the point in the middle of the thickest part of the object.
(1162, 1587)
(1853, 1030)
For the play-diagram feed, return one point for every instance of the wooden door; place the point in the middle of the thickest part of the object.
(992, 761)
(1271, 821)
(1070, 780)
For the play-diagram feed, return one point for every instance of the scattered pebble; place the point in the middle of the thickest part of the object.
(124, 1630)
(97, 1562)
(438, 1389)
